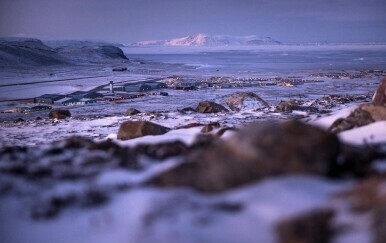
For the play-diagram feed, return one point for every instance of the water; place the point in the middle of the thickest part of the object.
(281, 59)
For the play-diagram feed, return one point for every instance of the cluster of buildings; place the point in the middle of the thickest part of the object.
(128, 91)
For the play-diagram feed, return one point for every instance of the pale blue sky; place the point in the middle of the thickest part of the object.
(128, 21)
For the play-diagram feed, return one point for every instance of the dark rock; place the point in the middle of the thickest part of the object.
(132, 112)
(38, 118)
(260, 150)
(210, 107)
(190, 125)
(19, 120)
(312, 227)
(135, 129)
(59, 114)
(203, 141)
(357, 118)
(228, 207)
(379, 224)
(209, 127)
(236, 101)
(380, 94)
(162, 150)
(291, 105)
(224, 129)
(286, 106)
(187, 110)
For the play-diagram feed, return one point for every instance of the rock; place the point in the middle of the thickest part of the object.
(312, 227)
(291, 105)
(187, 110)
(59, 114)
(224, 129)
(209, 127)
(210, 107)
(190, 125)
(359, 117)
(379, 225)
(260, 150)
(162, 150)
(132, 112)
(245, 101)
(287, 106)
(380, 94)
(377, 112)
(19, 120)
(362, 116)
(365, 196)
(135, 129)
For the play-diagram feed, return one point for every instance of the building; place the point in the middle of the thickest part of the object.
(140, 87)
(86, 95)
(74, 101)
(67, 101)
(48, 98)
(28, 109)
(136, 88)
(156, 85)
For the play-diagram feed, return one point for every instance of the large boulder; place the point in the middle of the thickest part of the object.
(362, 116)
(380, 94)
(245, 101)
(377, 112)
(357, 118)
(59, 114)
(135, 129)
(260, 150)
(210, 107)
(291, 105)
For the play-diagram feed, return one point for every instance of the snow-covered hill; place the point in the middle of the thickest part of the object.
(29, 51)
(214, 40)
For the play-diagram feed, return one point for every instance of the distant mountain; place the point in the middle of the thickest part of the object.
(214, 40)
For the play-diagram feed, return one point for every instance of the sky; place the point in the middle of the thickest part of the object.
(127, 21)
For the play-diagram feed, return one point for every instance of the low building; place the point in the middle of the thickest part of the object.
(85, 94)
(86, 101)
(136, 88)
(28, 109)
(156, 85)
(67, 101)
(48, 98)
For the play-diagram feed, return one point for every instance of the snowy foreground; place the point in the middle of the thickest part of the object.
(104, 202)
(307, 170)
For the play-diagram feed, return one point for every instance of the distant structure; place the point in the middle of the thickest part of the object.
(112, 87)
(140, 87)
(28, 109)
(85, 94)
(48, 98)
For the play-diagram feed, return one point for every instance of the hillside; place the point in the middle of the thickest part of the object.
(23, 51)
(28, 51)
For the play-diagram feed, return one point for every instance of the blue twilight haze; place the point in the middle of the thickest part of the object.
(128, 21)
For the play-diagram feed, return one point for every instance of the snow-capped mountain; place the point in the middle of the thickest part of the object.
(214, 40)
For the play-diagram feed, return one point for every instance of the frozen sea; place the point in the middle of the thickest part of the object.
(267, 59)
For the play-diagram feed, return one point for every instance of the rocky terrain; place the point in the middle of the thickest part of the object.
(301, 171)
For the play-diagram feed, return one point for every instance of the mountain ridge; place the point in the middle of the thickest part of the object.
(211, 40)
